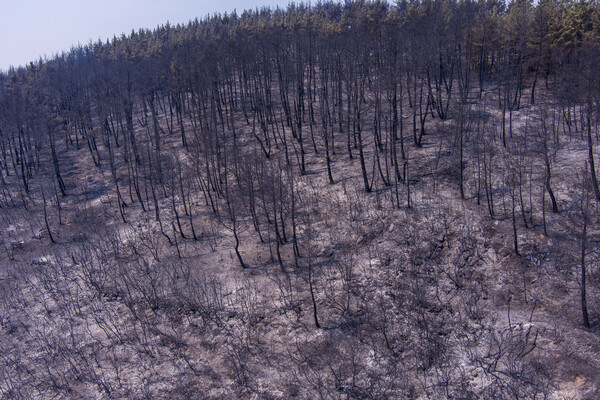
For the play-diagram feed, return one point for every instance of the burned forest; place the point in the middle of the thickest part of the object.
(357, 200)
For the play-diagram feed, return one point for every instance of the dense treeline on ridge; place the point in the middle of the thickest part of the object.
(356, 200)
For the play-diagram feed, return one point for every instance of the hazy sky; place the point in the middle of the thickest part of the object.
(33, 28)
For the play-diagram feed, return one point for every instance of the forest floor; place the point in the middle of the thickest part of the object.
(422, 302)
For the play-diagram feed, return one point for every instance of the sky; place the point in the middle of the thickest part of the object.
(30, 29)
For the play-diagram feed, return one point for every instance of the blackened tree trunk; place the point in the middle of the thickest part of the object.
(591, 153)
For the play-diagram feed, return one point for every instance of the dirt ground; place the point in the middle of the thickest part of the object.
(429, 301)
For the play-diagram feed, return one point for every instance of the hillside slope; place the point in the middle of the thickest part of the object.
(330, 201)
